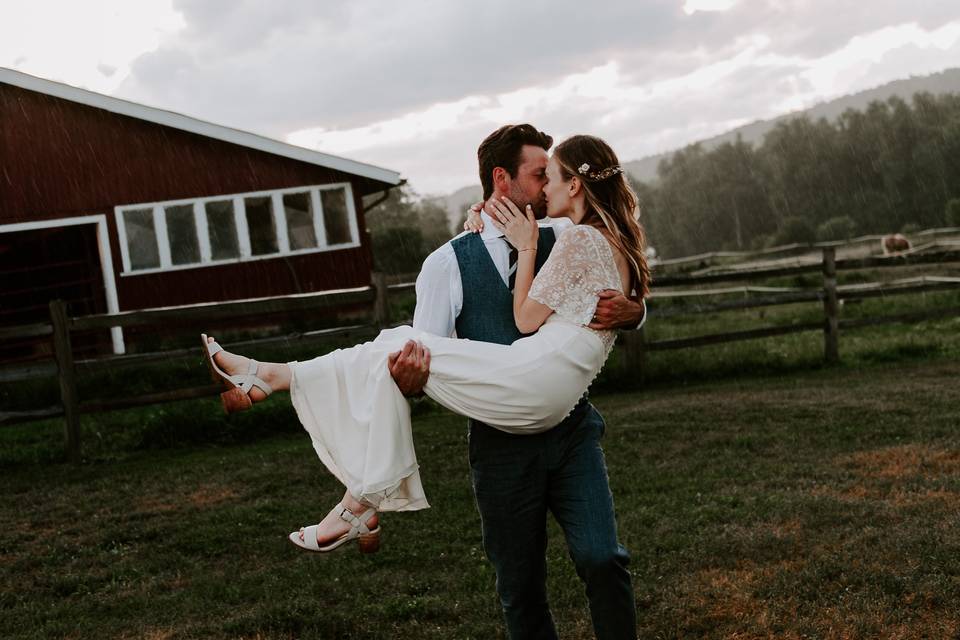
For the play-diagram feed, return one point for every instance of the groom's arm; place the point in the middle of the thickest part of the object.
(439, 294)
(617, 311)
(436, 312)
(410, 368)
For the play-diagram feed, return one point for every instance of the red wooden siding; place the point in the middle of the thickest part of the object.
(62, 159)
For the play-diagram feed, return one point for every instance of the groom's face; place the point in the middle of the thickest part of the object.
(527, 187)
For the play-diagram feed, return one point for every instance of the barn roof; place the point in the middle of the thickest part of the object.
(193, 125)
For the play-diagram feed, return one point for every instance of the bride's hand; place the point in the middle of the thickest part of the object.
(474, 222)
(521, 230)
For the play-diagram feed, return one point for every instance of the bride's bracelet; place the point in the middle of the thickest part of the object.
(530, 249)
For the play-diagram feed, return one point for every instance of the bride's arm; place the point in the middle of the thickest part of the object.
(528, 314)
(522, 232)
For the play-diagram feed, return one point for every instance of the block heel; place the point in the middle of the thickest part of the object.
(369, 542)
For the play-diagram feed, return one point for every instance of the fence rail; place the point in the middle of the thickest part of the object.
(206, 312)
(376, 297)
(813, 266)
(795, 248)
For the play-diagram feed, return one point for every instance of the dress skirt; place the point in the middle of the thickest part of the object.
(359, 421)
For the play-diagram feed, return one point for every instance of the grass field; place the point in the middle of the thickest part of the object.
(821, 503)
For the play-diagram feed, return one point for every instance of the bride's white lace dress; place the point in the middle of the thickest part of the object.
(360, 422)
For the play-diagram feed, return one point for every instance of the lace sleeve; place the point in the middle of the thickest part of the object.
(573, 275)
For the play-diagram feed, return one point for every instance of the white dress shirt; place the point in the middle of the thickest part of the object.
(439, 289)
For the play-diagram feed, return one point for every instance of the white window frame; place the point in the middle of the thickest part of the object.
(240, 221)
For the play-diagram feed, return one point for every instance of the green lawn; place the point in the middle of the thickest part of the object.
(820, 503)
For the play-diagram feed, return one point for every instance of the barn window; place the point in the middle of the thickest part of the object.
(141, 239)
(300, 223)
(222, 230)
(336, 218)
(262, 226)
(182, 234)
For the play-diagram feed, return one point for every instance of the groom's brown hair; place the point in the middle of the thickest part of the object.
(502, 149)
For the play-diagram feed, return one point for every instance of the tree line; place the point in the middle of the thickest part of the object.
(892, 167)
(404, 229)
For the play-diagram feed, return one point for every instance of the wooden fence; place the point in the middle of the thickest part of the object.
(829, 295)
(377, 297)
(923, 240)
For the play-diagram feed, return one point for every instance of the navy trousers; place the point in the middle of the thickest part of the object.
(516, 480)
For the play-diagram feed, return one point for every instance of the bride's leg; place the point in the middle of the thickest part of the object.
(275, 374)
(333, 526)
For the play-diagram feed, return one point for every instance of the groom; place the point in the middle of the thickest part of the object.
(464, 289)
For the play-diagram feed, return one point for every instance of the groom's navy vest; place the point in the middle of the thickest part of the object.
(487, 311)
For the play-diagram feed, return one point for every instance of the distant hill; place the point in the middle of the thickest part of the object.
(645, 169)
(948, 81)
(456, 203)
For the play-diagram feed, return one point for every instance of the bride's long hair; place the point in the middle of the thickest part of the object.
(611, 204)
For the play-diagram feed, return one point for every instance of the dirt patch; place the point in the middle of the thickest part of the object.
(896, 497)
(851, 493)
(928, 624)
(156, 505)
(902, 498)
(200, 497)
(901, 476)
(730, 597)
(210, 495)
(904, 461)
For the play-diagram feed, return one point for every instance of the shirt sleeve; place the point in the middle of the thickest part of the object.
(439, 294)
(643, 320)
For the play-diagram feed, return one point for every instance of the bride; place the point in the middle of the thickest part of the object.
(358, 419)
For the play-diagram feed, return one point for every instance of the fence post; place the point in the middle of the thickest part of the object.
(831, 349)
(63, 353)
(381, 304)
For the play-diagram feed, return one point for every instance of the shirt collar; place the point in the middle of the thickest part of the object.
(489, 230)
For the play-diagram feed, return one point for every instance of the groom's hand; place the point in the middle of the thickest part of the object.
(410, 368)
(616, 311)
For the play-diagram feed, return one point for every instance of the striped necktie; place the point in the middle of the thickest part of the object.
(513, 264)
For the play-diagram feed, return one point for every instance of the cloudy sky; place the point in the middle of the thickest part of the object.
(415, 86)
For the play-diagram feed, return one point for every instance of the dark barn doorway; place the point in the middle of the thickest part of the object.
(40, 265)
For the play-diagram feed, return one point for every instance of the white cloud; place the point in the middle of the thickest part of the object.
(692, 6)
(416, 86)
(853, 67)
(80, 42)
(638, 119)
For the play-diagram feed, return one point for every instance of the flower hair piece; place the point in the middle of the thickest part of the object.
(596, 176)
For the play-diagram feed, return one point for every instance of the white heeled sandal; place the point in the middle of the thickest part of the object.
(237, 395)
(367, 541)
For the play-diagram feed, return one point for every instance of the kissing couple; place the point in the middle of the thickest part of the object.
(551, 265)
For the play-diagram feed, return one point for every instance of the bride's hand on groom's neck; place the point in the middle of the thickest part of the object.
(519, 227)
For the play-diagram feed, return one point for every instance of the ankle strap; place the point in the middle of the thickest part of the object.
(251, 380)
(355, 521)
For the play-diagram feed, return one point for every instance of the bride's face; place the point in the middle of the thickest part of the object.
(556, 192)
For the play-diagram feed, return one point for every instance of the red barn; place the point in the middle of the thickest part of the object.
(113, 205)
